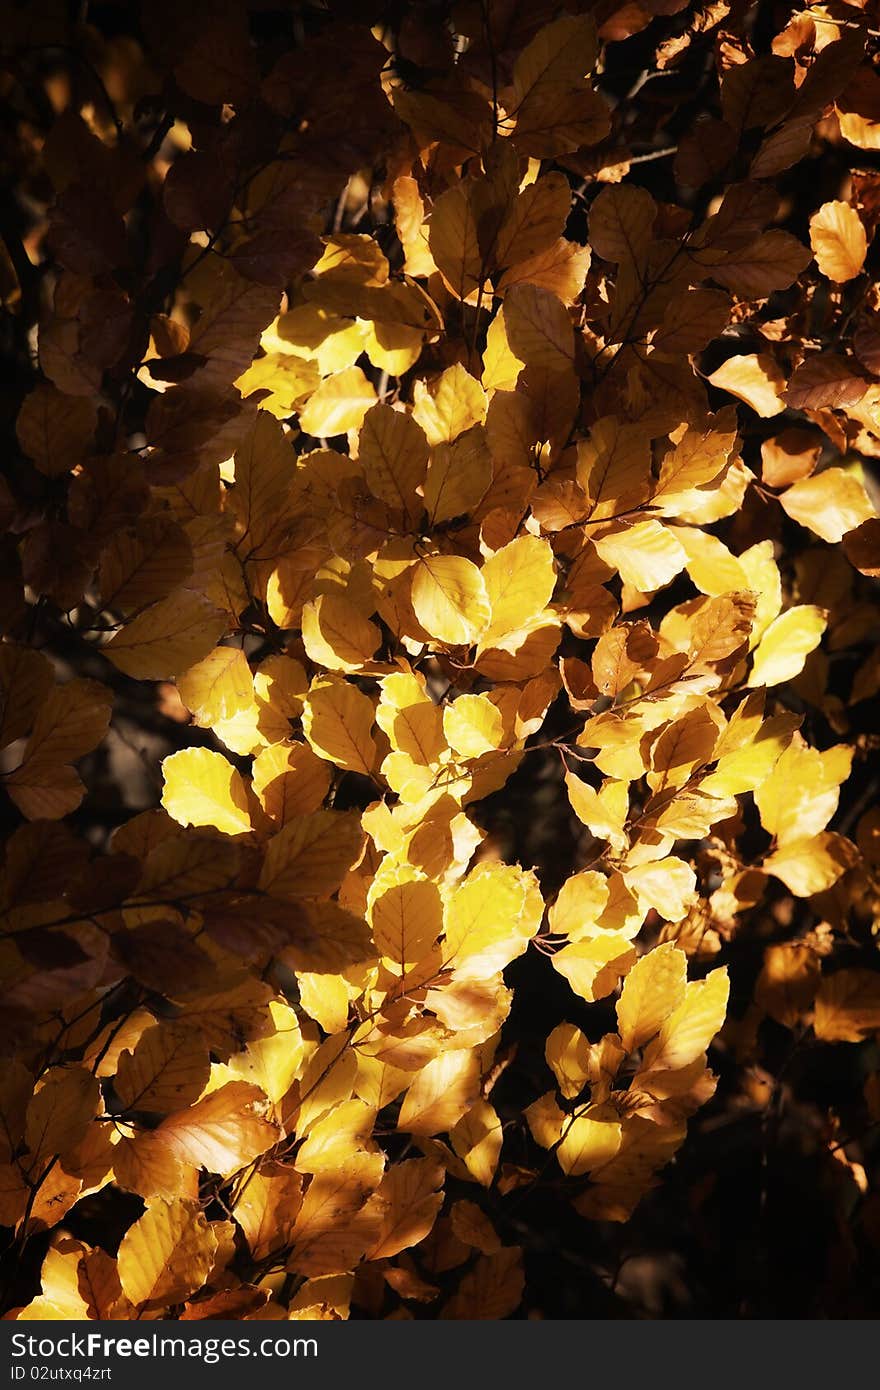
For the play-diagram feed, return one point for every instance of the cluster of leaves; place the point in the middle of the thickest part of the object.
(388, 429)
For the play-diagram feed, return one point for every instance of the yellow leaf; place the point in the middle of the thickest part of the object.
(441, 1093)
(408, 1200)
(667, 885)
(604, 812)
(336, 635)
(201, 788)
(748, 767)
(268, 1207)
(490, 918)
(689, 1029)
(166, 1071)
(166, 1255)
(755, 379)
(290, 780)
(594, 966)
(60, 1296)
(407, 919)
(289, 379)
(646, 555)
(519, 579)
(308, 857)
(473, 726)
(409, 218)
(394, 453)
(800, 796)
(168, 638)
(337, 721)
(588, 1141)
(812, 864)
(221, 1133)
(830, 503)
(344, 1131)
(334, 1228)
(218, 687)
(788, 641)
(697, 459)
(272, 1062)
(568, 1056)
(501, 367)
(581, 901)
(445, 408)
(477, 1139)
(839, 241)
(339, 404)
(458, 476)
(652, 990)
(449, 599)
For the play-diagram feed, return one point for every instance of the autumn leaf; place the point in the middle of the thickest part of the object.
(837, 236)
(202, 788)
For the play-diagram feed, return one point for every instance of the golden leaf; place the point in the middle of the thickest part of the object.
(202, 788)
(442, 1092)
(813, 863)
(839, 241)
(407, 919)
(450, 405)
(218, 687)
(594, 966)
(310, 854)
(589, 1140)
(223, 1132)
(755, 379)
(478, 1139)
(786, 644)
(167, 638)
(167, 1254)
(394, 452)
(339, 404)
(167, 1070)
(830, 503)
(689, 1029)
(652, 990)
(336, 635)
(268, 1207)
(450, 599)
(337, 721)
(408, 1200)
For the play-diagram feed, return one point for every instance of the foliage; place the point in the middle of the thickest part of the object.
(468, 497)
